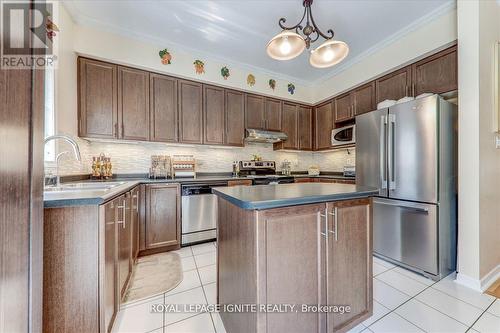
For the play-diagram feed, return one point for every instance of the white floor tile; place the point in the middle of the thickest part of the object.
(495, 308)
(357, 329)
(208, 274)
(160, 330)
(139, 318)
(429, 319)
(205, 259)
(189, 281)
(455, 308)
(378, 312)
(188, 263)
(392, 323)
(402, 282)
(387, 296)
(219, 325)
(450, 287)
(198, 324)
(202, 248)
(488, 323)
(383, 263)
(184, 252)
(190, 297)
(367, 330)
(211, 292)
(414, 276)
(378, 269)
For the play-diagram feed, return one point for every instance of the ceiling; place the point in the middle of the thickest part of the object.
(237, 31)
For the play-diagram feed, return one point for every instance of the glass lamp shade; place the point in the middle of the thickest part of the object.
(330, 53)
(286, 45)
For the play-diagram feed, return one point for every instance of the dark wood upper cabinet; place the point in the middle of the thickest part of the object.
(289, 126)
(436, 74)
(323, 124)
(190, 112)
(344, 107)
(213, 115)
(364, 99)
(97, 107)
(255, 112)
(162, 215)
(133, 104)
(393, 86)
(273, 114)
(235, 118)
(305, 128)
(163, 108)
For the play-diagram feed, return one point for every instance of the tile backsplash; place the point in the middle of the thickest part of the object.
(136, 157)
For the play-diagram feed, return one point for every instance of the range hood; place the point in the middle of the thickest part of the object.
(256, 135)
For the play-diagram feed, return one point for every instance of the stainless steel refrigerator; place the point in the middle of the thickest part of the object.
(409, 152)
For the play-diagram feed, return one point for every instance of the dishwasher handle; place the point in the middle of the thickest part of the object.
(199, 189)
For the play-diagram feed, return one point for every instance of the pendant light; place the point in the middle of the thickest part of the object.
(330, 53)
(286, 45)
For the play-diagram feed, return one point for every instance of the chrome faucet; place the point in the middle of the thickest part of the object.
(76, 151)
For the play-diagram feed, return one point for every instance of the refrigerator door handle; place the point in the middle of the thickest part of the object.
(390, 148)
(383, 151)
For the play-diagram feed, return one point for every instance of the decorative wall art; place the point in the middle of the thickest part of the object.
(251, 80)
(224, 71)
(291, 88)
(199, 66)
(166, 57)
(272, 83)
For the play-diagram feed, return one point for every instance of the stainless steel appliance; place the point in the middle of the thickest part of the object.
(263, 173)
(409, 152)
(257, 135)
(344, 135)
(199, 212)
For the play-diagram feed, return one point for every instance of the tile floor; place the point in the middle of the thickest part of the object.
(403, 302)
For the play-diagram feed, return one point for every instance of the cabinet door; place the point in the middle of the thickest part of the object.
(255, 112)
(190, 112)
(295, 265)
(135, 216)
(213, 115)
(124, 226)
(344, 108)
(163, 108)
(437, 73)
(305, 128)
(97, 99)
(133, 104)
(273, 114)
(323, 119)
(162, 215)
(349, 265)
(111, 300)
(289, 126)
(393, 86)
(364, 99)
(235, 118)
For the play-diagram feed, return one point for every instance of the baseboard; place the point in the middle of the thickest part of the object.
(482, 284)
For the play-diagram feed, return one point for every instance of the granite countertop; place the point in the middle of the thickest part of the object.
(283, 195)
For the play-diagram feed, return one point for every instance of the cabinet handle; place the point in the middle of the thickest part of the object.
(136, 197)
(413, 89)
(124, 208)
(116, 130)
(336, 220)
(325, 216)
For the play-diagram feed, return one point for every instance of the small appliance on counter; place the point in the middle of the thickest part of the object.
(183, 166)
(349, 171)
(286, 168)
(313, 170)
(160, 167)
(101, 167)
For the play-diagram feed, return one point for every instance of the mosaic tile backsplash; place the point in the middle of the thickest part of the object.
(136, 157)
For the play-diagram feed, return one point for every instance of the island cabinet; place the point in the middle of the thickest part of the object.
(317, 254)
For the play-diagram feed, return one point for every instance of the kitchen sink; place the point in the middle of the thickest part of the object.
(86, 186)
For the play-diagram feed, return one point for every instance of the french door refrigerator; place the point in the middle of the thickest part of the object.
(409, 152)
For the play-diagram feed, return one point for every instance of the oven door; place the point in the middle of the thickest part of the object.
(344, 135)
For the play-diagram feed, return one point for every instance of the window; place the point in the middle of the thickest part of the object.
(50, 119)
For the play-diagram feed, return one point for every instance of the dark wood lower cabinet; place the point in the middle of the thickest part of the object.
(124, 242)
(111, 300)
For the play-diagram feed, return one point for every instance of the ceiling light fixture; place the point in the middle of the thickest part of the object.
(288, 44)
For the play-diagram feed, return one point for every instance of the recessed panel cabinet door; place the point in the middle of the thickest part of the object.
(394, 86)
(255, 111)
(344, 108)
(437, 73)
(235, 118)
(190, 112)
(323, 125)
(364, 99)
(162, 215)
(133, 104)
(273, 114)
(349, 264)
(289, 126)
(213, 115)
(97, 109)
(163, 108)
(305, 128)
(111, 301)
(124, 226)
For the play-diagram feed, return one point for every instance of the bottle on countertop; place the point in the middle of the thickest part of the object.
(236, 169)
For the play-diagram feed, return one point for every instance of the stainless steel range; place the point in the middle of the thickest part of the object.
(263, 173)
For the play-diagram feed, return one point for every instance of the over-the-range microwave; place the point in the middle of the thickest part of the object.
(344, 135)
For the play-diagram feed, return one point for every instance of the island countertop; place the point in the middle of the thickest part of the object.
(283, 195)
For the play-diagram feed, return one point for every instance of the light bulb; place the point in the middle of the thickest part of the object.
(285, 46)
(328, 55)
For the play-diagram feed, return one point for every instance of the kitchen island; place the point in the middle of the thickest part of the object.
(294, 257)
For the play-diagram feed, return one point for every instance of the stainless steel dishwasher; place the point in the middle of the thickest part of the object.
(199, 212)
